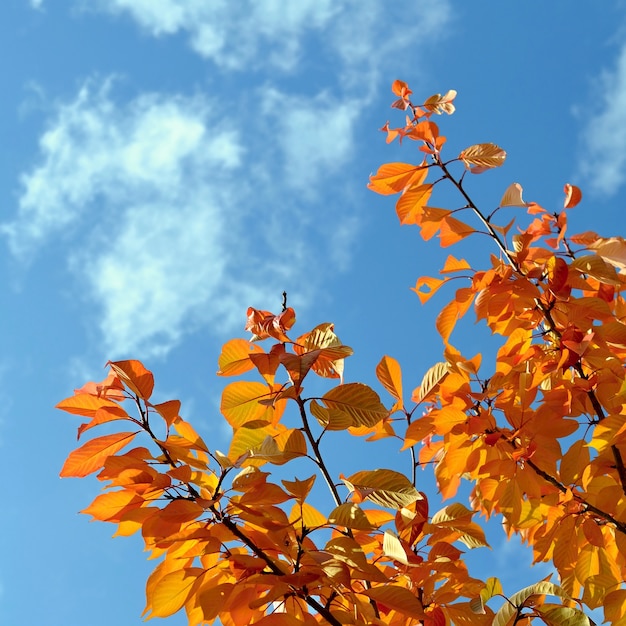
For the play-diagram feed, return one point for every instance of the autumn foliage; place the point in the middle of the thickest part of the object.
(537, 429)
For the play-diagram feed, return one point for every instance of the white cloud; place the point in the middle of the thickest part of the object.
(169, 223)
(604, 138)
(143, 197)
(256, 34)
(230, 34)
(314, 134)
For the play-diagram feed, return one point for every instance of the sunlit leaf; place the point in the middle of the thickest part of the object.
(392, 547)
(171, 592)
(235, 357)
(92, 454)
(429, 383)
(441, 104)
(395, 177)
(482, 156)
(385, 487)
(349, 515)
(518, 600)
(389, 374)
(397, 598)
(513, 196)
(135, 376)
(358, 401)
(573, 195)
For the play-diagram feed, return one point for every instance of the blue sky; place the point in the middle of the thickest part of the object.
(164, 164)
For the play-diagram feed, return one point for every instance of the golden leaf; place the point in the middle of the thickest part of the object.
(482, 156)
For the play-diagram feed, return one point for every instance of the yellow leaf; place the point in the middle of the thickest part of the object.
(171, 592)
(453, 264)
(392, 547)
(349, 515)
(596, 267)
(360, 402)
(109, 507)
(299, 489)
(441, 104)
(385, 487)
(240, 403)
(235, 357)
(213, 599)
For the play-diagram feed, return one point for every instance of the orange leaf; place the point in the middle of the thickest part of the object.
(171, 592)
(263, 324)
(169, 411)
(85, 404)
(397, 598)
(390, 375)
(433, 284)
(104, 414)
(235, 357)
(135, 376)
(446, 320)
(412, 202)
(109, 507)
(454, 265)
(92, 455)
(573, 195)
(395, 177)
(452, 231)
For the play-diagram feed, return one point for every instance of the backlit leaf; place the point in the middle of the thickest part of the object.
(240, 402)
(412, 202)
(397, 598)
(518, 600)
(389, 374)
(429, 383)
(171, 592)
(393, 178)
(85, 404)
(358, 401)
(612, 250)
(349, 515)
(573, 195)
(92, 454)
(235, 357)
(392, 547)
(135, 376)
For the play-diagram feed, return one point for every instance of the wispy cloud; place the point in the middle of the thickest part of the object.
(169, 222)
(603, 161)
(145, 196)
(180, 212)
(231, 34)
(351, 38)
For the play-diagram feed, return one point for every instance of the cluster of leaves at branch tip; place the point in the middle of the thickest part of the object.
(537, 429)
